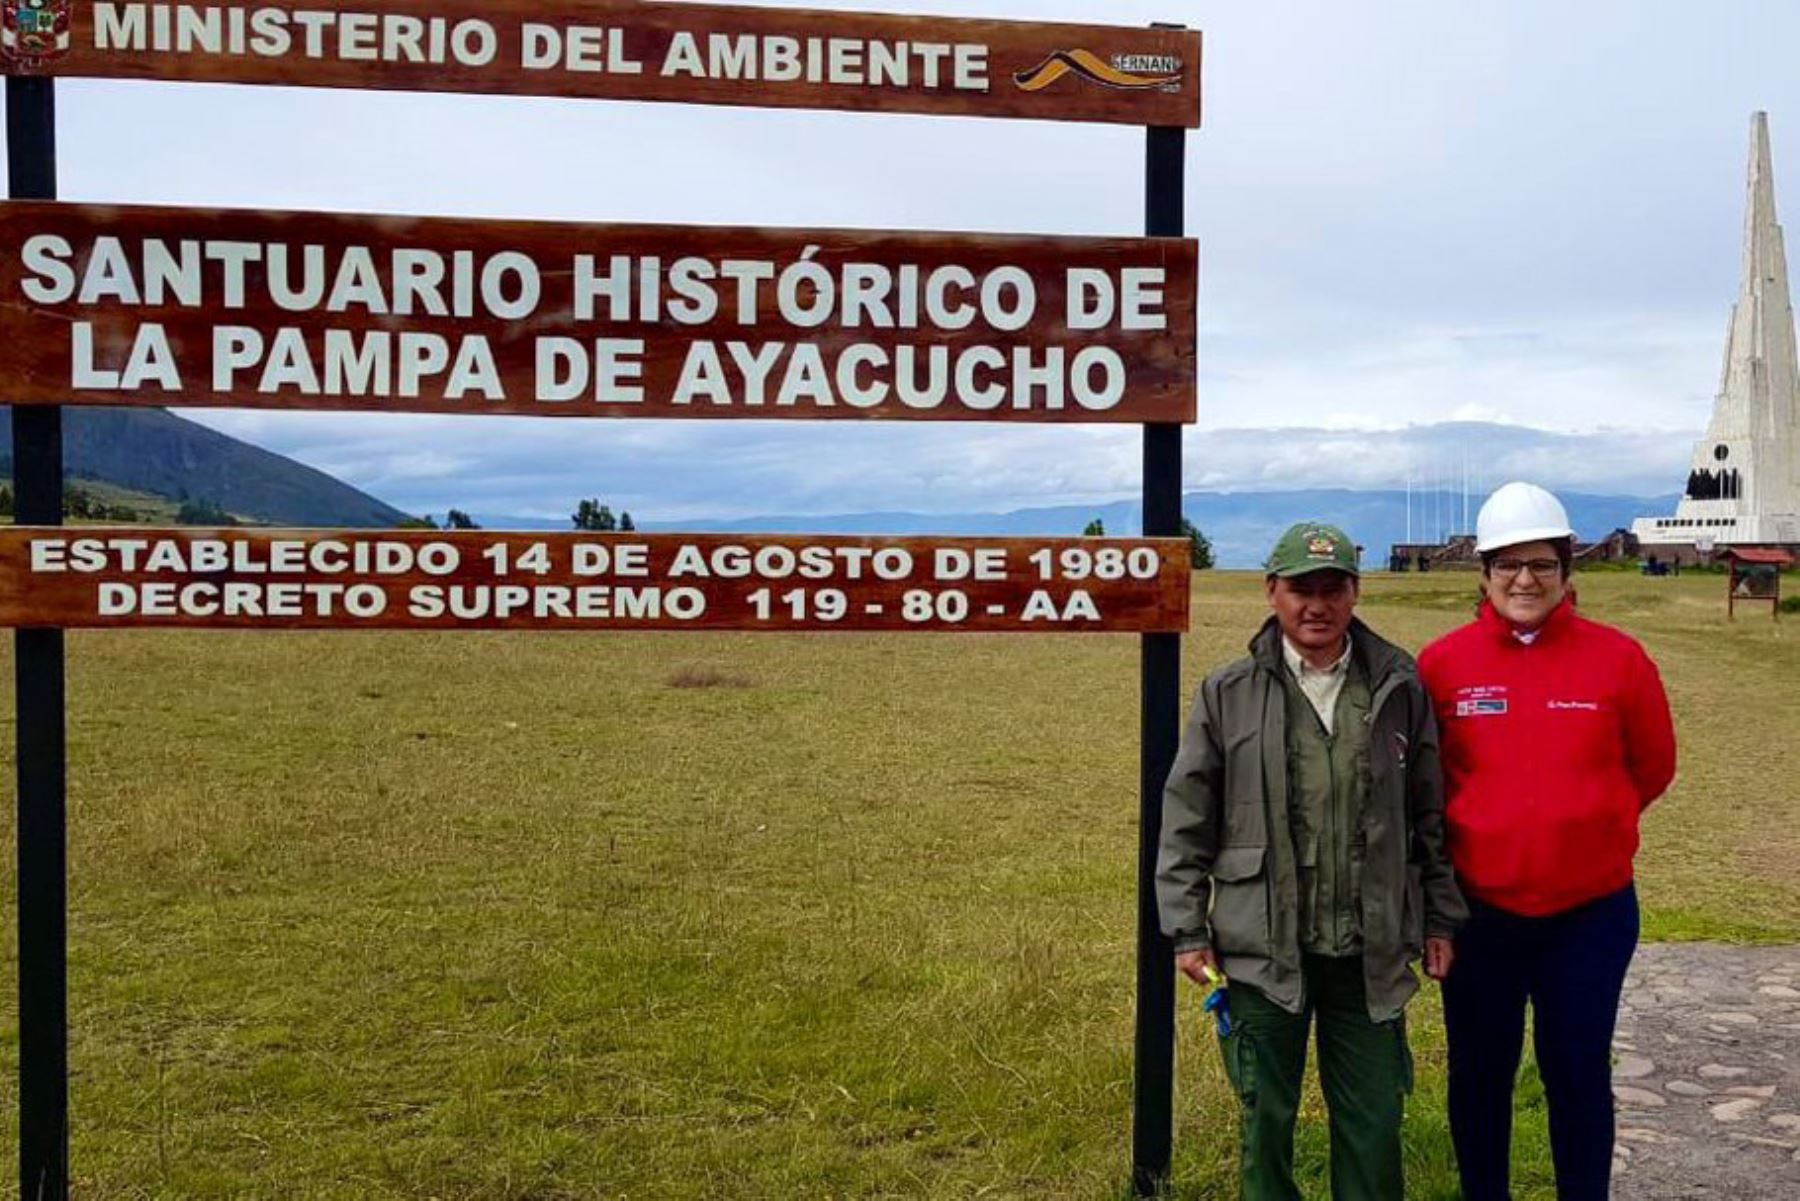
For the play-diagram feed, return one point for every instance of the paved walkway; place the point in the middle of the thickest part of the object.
(1707, 1074)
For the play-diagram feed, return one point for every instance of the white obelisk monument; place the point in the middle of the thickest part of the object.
(1744, 484)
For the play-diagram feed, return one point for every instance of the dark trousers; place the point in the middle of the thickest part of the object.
(1365, 1070)
(1570, 967)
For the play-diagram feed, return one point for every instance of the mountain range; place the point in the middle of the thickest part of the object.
(1241, 526)
(150, 450)
(153, 451)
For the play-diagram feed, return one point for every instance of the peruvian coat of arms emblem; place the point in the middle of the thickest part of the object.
(33, 32)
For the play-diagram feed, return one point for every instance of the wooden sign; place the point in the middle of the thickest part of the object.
(429, 580)
(628, 50)
(249, 309)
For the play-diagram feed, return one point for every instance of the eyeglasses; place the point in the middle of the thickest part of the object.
(1543, 569)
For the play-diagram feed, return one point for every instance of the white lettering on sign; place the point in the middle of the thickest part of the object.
(196, 273)
(288, 556)
(149, 362)
(509, 285)
(144, 308)
(1136, 299)
(782, 375)
(848, 62)
(541, 602)
(577, 48)
(850, 296)
(287, 578)
(355, 363)
(731, 561)
(1041, 606)
(240, 599)
(268, 31)
(274, 31)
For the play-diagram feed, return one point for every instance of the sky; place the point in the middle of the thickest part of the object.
(1412, 216)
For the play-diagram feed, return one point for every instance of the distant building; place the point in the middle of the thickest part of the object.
(1743, 488)
(1617, 547)
(1457, 553)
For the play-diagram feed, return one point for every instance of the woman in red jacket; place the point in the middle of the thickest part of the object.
(1556, 736)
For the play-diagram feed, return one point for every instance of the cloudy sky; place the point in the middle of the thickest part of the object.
(1410, 213)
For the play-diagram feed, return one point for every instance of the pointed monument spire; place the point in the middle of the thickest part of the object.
(1744, 480)
(1756, 391)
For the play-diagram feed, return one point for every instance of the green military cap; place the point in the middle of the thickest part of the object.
(1313, 546)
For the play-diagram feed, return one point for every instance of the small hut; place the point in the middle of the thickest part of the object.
(1754, 574)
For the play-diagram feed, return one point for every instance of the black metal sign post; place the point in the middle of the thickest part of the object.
(41, 729)
(1159, 729)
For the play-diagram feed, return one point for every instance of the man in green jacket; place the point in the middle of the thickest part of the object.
(1303, 856)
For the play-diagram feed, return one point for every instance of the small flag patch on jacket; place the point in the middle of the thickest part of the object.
(1489, 706)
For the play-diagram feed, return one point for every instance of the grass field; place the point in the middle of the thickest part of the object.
(151, 507)
(666, 916)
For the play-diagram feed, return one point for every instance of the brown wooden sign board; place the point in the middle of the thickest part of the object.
(251, 309)
(126, 576)
(628, 50)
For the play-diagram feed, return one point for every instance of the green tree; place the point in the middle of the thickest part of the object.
(1201, 547)
(78, 503)
(590, 514)
(1095, 529)
(626, 525)
(6, 501)
(456, 519)
(416, 523)
(202, 512)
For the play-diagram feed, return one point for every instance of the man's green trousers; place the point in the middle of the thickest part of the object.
(1365, 1068)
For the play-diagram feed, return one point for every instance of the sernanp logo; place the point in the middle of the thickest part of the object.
(1122, 72)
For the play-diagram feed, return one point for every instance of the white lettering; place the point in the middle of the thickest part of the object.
(44, 255)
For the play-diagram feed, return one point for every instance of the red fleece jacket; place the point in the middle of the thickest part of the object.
(1551, 750)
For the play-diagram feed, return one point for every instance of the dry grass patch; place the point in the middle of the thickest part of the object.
(706, 677)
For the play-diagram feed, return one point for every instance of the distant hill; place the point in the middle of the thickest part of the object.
(150, 450)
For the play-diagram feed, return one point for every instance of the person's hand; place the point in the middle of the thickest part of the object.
(1195, 964)
(1440, 953)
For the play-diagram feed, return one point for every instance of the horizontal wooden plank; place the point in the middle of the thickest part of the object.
(631, 50)
(481, 580)
(164, 306)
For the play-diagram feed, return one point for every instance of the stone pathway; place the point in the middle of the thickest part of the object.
(1707, 1074)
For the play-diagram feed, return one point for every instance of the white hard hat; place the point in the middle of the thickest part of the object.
(1520, 512)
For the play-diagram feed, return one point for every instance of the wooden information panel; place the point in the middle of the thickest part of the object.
(426, 580)
(628, 50)
(191, 307)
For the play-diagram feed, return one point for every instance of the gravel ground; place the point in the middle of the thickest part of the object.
(1707, 1074)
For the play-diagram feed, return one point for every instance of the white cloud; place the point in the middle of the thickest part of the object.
(1476, 411)
(1448, 456)
(1582, 375)
(684, 470)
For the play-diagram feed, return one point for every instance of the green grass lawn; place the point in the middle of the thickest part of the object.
(534, 916)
